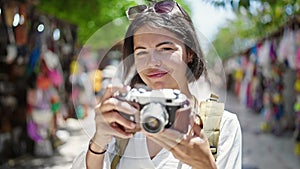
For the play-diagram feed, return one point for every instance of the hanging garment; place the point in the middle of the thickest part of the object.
(33, 60)
(291, 49)
(55, 77)
(287, 48)
(33, 131)
(273, 55)
(264, 53)
(3, 41)
(297, 59)
(51, 59)
(253, 54)
(43, 82)
(21, 30)
(9, 13)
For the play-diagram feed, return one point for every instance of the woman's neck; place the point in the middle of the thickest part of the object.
(185, 90)
(153, 148)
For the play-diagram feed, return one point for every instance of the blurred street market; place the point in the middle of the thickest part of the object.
(54, 69)
(260, 150)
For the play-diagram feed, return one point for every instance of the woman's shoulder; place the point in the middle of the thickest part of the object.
(229, 115)
(229, 118)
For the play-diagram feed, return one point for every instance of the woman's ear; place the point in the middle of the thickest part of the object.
(190, 56)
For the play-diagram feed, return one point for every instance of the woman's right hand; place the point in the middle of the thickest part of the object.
(109, 122)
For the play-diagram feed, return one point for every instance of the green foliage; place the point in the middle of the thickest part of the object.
(255, 20)
(88, 15)
(236, 36)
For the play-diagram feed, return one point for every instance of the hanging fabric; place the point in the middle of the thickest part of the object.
(264, 53)
(33, 130)
(297, 58)
(297, 111)
(287, 48)
(9, 13)
(33, 60)
(55, 77)
(291, 49)
(4, 36)
(273, 54)
(253, 54)
(21, 28)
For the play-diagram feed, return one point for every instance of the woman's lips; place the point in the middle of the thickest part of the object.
(156, 74)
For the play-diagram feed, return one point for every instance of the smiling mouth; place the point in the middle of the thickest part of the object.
(156, 74)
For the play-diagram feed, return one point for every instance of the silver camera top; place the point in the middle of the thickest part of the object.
(168, 97)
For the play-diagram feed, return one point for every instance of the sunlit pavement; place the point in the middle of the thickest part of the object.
(63, 156)
(260, 150)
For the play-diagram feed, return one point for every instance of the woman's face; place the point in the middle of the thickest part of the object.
(160, 58)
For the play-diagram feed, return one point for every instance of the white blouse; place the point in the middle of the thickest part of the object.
(136, 154)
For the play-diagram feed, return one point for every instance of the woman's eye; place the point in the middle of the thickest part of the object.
(167, 49)
(140, 53)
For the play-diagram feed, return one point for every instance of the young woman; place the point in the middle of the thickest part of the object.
(162, 45)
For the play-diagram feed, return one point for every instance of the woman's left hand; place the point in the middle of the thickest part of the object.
(192, 148)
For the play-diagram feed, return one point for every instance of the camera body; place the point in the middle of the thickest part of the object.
(157, 107)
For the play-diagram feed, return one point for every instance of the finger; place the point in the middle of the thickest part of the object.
(116, 117)
(170, 137)
(161, 142)
(113, 124)
(202, 135)
(197, 126)
(198, 120)
(114, 130)
(115, 104)
(111, 89)
(175, 148)
(174, 136)
(118, 132)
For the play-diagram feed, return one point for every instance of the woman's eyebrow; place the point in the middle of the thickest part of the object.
(165, 43)
(160, 44)
(139, 47)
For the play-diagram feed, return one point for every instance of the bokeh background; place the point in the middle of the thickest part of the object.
(57, 56)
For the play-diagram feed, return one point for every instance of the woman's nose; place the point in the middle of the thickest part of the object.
(154, 59)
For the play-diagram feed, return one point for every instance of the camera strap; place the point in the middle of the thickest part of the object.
(211, 112)
(120, 145)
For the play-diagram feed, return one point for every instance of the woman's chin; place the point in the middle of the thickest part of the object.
(158, 85)
(161, 85)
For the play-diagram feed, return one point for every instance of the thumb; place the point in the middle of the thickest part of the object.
(197, 125)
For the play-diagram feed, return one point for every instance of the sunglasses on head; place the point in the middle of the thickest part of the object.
(161, 7)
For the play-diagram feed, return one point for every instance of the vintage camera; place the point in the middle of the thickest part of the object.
(157, 107)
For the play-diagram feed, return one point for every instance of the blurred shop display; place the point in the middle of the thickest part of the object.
(266, 78)
(35, 55)
(90, 73)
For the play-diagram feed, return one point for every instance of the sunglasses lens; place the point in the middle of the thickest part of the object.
(164, 6)
(132, 11)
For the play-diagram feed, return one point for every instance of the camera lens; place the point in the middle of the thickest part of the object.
(154, 117)
(151, 124)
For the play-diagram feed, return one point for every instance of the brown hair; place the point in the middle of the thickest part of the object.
(181, 25)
